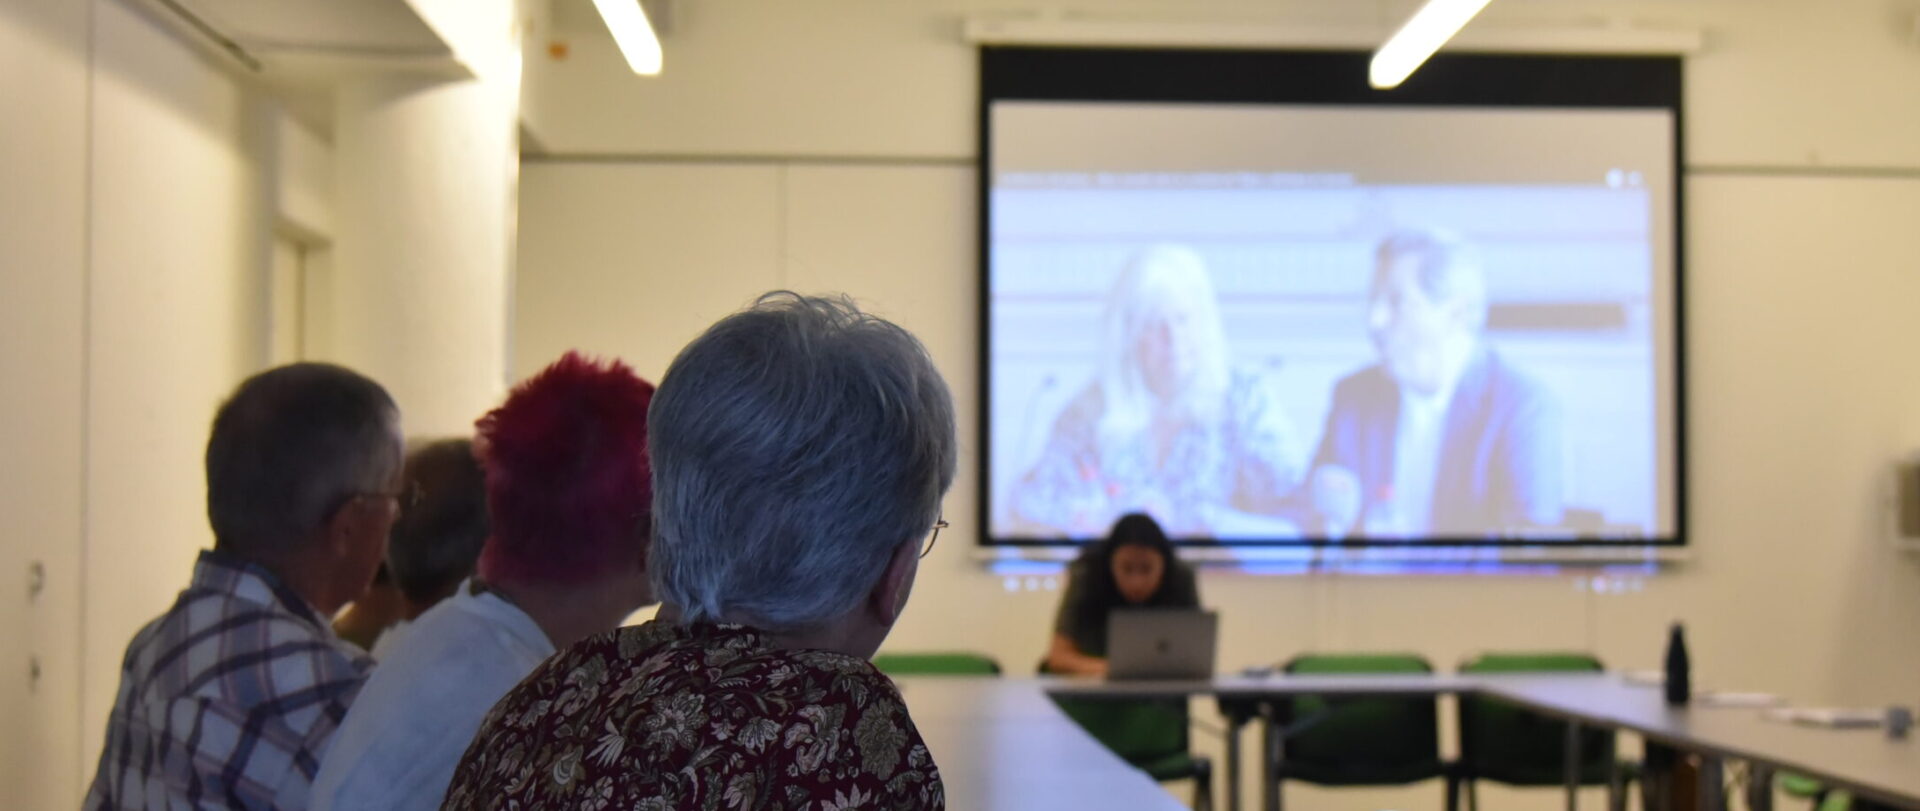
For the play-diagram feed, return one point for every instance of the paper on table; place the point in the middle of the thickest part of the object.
(1838, 718)
(1728, 698)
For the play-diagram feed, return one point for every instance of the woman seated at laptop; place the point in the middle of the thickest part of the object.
(1135, 567)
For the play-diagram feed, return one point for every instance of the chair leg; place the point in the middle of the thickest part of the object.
(1202, 785)
(1453, 792)
(1473, 794)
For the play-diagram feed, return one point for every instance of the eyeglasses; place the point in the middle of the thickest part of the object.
(406, 498)
(935, 537)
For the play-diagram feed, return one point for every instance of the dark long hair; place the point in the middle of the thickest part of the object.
(1103, 594)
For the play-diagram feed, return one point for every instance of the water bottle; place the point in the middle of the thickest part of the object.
(1679, 677)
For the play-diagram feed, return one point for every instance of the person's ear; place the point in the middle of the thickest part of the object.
(343, 527)
(889, 596)
(359, 521)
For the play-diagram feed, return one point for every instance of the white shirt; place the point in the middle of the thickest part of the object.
(409, 726)
(389, 640)
(1416, 459)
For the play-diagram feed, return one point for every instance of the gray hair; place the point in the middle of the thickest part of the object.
(1449, 271)
(289, 448)
(796, 445)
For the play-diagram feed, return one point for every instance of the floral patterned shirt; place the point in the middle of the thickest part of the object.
(662, 716)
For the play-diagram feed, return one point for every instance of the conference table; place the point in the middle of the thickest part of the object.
(1002, 744)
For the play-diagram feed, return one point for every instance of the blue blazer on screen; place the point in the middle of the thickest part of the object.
(1500, 457)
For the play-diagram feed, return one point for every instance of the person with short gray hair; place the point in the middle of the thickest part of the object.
(843, 441)
(801, 449)
(229, 699)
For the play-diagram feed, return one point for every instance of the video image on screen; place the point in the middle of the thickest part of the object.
(1319, 324)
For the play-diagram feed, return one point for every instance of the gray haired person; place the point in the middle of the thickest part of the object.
(784, 482)
(800, 451)
(229, 699)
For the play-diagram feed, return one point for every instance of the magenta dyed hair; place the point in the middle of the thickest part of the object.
(569, 484)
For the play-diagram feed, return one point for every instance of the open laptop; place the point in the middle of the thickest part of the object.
(1170, 643)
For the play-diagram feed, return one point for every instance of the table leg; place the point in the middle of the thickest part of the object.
(1661, 784)
(1759, 787)
(1269, 756)
(1711, 789)
(1573, 766)
(1235, 725)
(1616, 783)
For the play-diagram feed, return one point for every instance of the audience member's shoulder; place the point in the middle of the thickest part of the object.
(279, 660)
(833, 663)
(632, 641)
(305, 653)
(856, 679)
(620, 649)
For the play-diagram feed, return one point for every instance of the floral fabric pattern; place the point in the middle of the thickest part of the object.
(661, 716)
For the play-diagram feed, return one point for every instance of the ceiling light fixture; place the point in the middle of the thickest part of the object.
(633, 33)
(1421, 35)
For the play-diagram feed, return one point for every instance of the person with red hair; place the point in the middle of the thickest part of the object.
(570, 494)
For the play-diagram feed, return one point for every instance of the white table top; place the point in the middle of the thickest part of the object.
(1002, 744)
(1864, 761)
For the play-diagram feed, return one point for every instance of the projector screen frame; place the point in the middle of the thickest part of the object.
(1337, 77)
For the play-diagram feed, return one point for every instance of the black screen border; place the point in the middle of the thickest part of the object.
(1332, 77)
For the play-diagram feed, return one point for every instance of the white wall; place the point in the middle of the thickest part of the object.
(136, 219)
(423, 261)
(180, 239)
(707, 186)
(43, 79)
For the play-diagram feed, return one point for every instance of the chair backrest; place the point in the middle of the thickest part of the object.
(1503, 742)
(941, 663)
(1360, 741)
(1140, 732)
(1533, 662)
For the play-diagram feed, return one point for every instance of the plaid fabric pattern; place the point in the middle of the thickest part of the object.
(228, 700)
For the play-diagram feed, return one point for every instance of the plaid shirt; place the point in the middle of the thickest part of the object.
(228, 700)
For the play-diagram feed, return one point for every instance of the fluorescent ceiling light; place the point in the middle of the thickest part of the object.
(633, 33)
(1424, 32)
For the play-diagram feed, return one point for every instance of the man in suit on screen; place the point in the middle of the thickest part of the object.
(1443, 437)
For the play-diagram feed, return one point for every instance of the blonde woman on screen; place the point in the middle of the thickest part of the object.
(1166, 426)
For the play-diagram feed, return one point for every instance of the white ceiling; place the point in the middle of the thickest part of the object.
(299, 50)
(367, 26)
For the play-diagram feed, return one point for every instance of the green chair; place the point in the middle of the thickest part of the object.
(1152, 736)
(943, 663)
(1818, 795)
(1507, 744)
(1335, 741)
